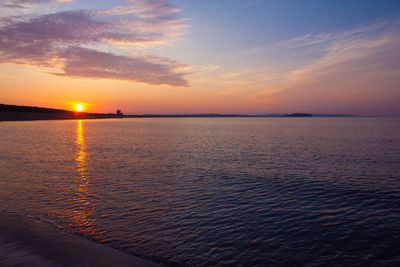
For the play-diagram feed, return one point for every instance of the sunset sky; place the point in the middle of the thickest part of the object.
(208, 56)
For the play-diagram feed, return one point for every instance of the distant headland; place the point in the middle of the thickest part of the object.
(26, 113)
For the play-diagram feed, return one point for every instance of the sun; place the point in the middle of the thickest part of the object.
(79, 107)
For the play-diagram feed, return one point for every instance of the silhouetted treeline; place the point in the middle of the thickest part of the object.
(21, 113)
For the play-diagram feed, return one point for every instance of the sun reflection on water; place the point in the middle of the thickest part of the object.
(80, 214)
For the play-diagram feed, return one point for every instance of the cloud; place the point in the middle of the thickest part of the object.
(305, 40)
(20, 2)
(371, 49)
(356, 66)
(57, 40)
(81, 62)
(309, 40)
(148, 15)
(154, 8)
(26, 3)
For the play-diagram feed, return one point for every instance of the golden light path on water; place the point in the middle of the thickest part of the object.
(80, 214)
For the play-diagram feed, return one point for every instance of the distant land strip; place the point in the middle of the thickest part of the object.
(26, 113)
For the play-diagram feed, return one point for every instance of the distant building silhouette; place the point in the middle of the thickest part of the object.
(119, 113)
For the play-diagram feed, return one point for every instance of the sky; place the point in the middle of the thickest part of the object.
(209, 56)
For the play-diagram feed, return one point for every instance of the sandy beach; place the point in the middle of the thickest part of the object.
(27, 241)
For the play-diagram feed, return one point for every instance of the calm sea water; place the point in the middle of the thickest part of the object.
(214, 191)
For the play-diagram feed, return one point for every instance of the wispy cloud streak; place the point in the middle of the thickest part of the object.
(26, 3)
(356, 66)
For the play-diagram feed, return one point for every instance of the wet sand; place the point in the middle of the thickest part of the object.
(26, 241)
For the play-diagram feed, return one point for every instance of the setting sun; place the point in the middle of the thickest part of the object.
(79, 107)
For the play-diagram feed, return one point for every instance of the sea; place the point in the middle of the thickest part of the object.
(214, 191)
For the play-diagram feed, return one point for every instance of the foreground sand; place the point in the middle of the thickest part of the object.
(30, 242)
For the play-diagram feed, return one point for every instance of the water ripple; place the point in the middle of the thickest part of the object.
(198, 192)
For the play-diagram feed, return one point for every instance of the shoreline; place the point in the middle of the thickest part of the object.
(28, 113)
(26, 241)
(36, 116)
(18, 116)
